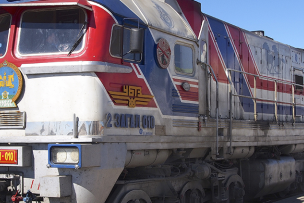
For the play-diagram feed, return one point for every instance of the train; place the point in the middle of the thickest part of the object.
(141, 101)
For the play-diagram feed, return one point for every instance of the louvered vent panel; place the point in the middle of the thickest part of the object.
(12, 119)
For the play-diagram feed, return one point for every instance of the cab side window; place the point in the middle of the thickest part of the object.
(183, 59)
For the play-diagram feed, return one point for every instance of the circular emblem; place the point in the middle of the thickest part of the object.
(10, 84)
(163, 53)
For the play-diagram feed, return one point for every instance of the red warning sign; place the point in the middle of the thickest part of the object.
(163, 53)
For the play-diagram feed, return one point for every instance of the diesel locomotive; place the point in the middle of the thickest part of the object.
(141, 101)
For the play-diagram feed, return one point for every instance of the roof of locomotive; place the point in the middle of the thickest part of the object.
(256, 33)
(153, 13)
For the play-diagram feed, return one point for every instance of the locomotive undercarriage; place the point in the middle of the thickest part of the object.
(183, 183)
(195, 180)
(239, 172)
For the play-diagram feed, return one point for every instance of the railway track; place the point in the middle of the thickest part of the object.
(296, 197)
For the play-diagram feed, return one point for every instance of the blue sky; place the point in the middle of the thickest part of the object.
(281, 20)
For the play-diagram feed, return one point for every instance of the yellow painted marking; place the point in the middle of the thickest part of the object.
(131, 95)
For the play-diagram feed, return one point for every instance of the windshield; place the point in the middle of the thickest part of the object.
(5, 21)
(50, 31)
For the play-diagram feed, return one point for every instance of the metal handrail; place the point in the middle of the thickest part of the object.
(269, 100)
(257, 98)
(264, 77)
(217, 111)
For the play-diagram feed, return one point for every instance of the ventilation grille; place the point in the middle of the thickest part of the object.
(12, 119)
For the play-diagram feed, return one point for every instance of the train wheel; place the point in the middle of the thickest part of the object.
(235, 189)
(193, 196)
(236, 193)
(136, 196)
(192, 192)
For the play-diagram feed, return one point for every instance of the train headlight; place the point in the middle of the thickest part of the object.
(69, 155)
(64, 156)
(75, 155)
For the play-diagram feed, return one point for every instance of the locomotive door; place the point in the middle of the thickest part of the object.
(204, 100)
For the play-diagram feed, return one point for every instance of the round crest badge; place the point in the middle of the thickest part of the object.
(163, 53)
(10, 84)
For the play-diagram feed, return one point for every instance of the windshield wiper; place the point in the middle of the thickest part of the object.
(83, 31)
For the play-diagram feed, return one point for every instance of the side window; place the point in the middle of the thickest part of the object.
(299, 82)
(183, 59)
(122, 45)
(5, 21)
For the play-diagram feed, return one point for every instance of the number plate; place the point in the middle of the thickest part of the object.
(8, 156)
